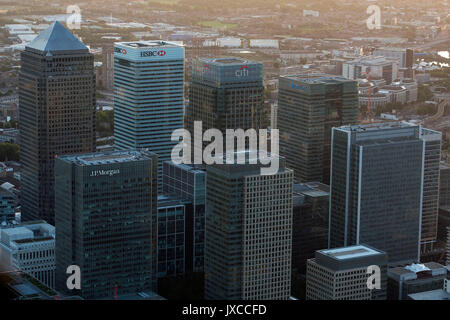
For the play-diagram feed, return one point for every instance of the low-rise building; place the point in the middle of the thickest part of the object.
(343, 274)
(30, 247)
(415, 278)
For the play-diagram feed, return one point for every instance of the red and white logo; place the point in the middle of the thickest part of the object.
(242, 72)
(124, 51)
(161, 53)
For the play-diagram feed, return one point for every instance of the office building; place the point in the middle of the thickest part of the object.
(444, 184)
(430, 201)
(343, 274)
(448, 247)
(376, 188)
(309, 222)
(30, 248)
(248, 233)
(189, 182)
(226, 93)
(7, 206)
(148, 96)
(404, 57)
(57, 113)
(106, 221)
(376, 66)
(415, 278)
(309, 105)
(171, 236)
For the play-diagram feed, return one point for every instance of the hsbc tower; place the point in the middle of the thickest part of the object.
(148, 96)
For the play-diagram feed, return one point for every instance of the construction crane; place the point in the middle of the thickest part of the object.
(369, 111)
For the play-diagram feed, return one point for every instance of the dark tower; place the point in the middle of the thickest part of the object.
(57, 113)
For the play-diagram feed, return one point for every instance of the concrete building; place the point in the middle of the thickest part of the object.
(106, 221)
(377, 99)
(29, 247)
(343, 274)
(397, 94)
(377, 66)
(309, 105)
(377, 178)
(248, 233)
(57, 113)
(405, 57)
(148, 96)
(415, 278)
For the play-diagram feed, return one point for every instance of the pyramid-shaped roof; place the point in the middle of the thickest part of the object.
(56, 38)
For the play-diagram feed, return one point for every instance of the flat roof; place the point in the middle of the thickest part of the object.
(350, 252)
(228, 61)
(148, 44)
(106, 157)
(317, 78)
(378, 126)
(438, 294)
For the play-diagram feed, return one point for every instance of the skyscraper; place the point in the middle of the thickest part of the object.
(106, 221)
(148, 96)
(343, 274)
(189, 182)
(57, 113)
(309, 105)
(248, 233)
(430, 203)
(226, 93)
(376, 188)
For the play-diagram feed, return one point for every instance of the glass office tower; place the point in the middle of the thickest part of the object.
(226, 93)
(57, 113)
(376, 188)
(189, 182)
(248, 239)
(309, 105)
(106, 222)
(148, 96)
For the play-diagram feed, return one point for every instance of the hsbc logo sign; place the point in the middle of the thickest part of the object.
(153, 53)
(120, 50)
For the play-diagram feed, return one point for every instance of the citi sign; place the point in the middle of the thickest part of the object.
(242, 72)
(153, 53)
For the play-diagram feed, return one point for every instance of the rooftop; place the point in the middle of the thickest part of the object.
(317, 78)
(56, 38)
(149, 44)
(438, 294)
(351, 252)
(106, 157)
(227, 61)
(377, 126)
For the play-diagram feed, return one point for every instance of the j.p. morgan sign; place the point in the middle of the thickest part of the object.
(96, 173)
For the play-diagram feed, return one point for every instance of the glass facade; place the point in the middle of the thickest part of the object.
(226, 93)
(148, 96)
(376, 188)
(57, 113)
(171, 236)
(106, 221)
(309, 105)
(189, 182)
